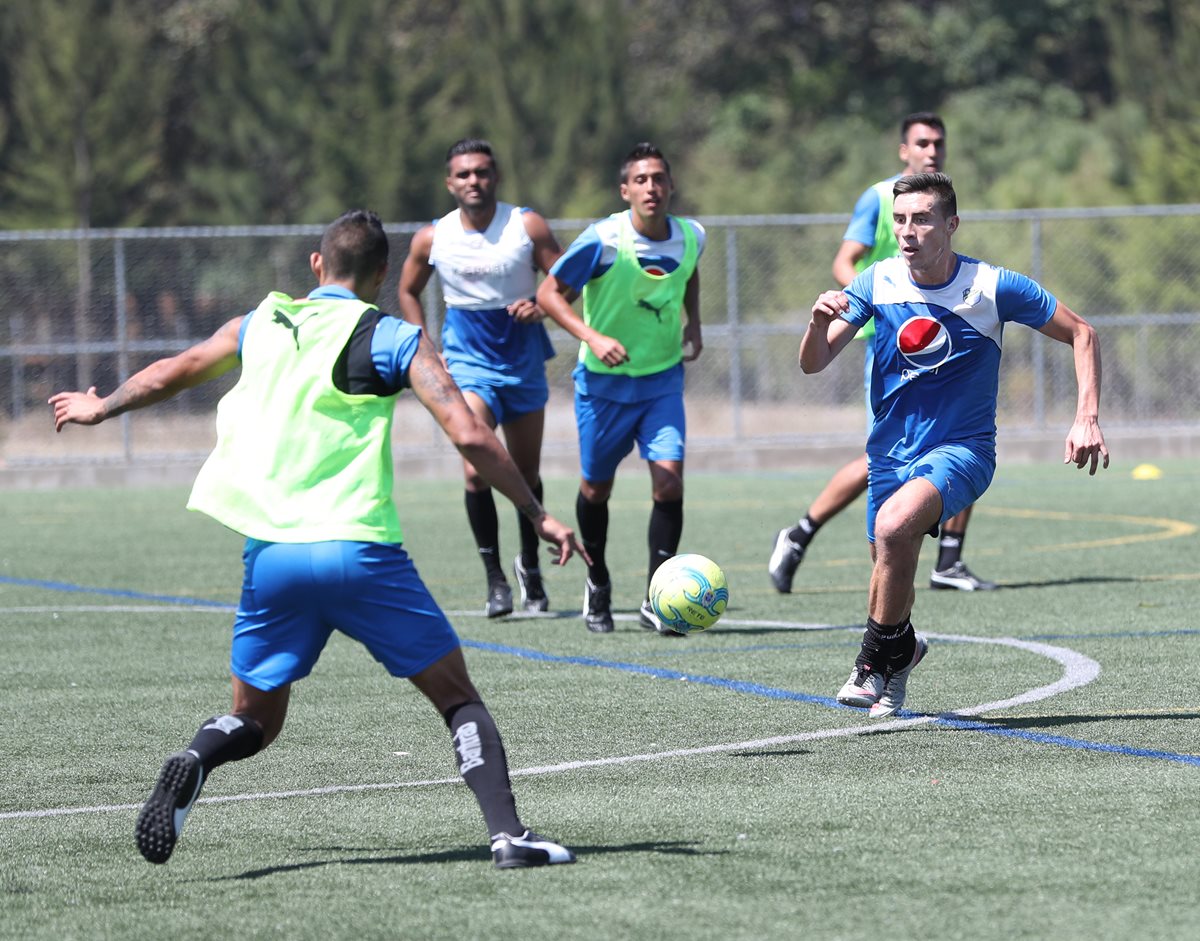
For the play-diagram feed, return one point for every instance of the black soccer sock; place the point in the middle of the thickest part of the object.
(481, 514)
(483, 765)
(949, 548)
(226, 738)
(801, 534)
(529, 536)
(886, 646)
(593, 532)
(666, 528)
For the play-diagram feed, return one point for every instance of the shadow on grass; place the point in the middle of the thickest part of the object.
(1048, 722)
(472, 854)
(1060, 582)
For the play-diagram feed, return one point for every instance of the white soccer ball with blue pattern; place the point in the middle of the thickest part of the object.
(688, 593)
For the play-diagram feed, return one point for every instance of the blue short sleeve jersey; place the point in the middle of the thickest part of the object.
(589, 257)
(935, 378)
(865, 218)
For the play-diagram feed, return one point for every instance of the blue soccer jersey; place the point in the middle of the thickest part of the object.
(935, 378)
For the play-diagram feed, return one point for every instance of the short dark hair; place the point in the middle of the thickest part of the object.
(920, 117)
(354, 245)
(470, 145)
(643, 151)
(939, 184)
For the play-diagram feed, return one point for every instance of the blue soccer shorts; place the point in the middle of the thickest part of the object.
(608, 431)
(294, 595)
(508, 397)
(961, 475)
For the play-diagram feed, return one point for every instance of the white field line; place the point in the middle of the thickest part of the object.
(1078, 670)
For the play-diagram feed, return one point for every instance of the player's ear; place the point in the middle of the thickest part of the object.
(625, 192)
(952, 224)
(315, 263)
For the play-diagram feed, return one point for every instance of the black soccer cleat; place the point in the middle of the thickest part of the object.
(499, 600)
(786, 557)
(959, 577)
(597, 607)
(528, 849)
(161, 819)
(533, 592)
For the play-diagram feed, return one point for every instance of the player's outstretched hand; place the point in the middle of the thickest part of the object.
(1085, 444)
(562, 539)
(77, 408)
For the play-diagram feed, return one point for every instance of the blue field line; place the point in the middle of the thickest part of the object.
(737, 686)
(116, 593)
(1105, 635)
(1043, 738)
(773, 692)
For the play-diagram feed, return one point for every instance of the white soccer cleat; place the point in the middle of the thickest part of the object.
(896, 685)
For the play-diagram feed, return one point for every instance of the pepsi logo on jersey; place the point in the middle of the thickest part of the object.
(924, 342)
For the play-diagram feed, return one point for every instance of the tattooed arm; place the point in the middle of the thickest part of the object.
(160, 380)
(478, 444)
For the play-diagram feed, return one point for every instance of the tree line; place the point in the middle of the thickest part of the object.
(185, 112)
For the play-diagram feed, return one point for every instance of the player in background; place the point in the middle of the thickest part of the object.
(870, 238)
(487, 254)
(636, 271)
(939, 320)
(302, 467)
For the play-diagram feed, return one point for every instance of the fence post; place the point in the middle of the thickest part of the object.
(733, 318)
(1039, 342)
(120, 289)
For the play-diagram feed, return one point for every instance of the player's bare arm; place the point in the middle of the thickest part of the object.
(693, 342)
(546, 252)
(555, 297)
(827, 333)
(1085, 445)
(159, 381)
(477, 443)
(414, 275)
(848, 256)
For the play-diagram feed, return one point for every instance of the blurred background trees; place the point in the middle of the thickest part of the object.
(179, 112)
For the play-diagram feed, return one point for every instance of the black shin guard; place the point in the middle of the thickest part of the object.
(886, 647)
(950, 546)
(226, 738)
(529, 536)
(483, 765)
(666, 529)
(593, 533)
(485, 527)
(801, 534)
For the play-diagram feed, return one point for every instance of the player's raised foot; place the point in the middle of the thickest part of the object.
(499, 600)
(161, 819)
(864, 688)
(533, 592)
(528, 849)
(960, 577)
(785, 559)
(597, 607)
(895, 685)
(651, 621)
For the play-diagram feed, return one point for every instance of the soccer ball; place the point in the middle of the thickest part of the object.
(688, 593)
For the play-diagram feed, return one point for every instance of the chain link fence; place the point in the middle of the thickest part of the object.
(89, 308)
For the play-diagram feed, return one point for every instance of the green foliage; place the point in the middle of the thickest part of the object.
(123, 112)
(88, 101)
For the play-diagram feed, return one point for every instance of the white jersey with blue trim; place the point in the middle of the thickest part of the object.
(936, 373)
(484, 270)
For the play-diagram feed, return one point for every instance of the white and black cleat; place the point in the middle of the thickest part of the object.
(528, 849)
(161, 819)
